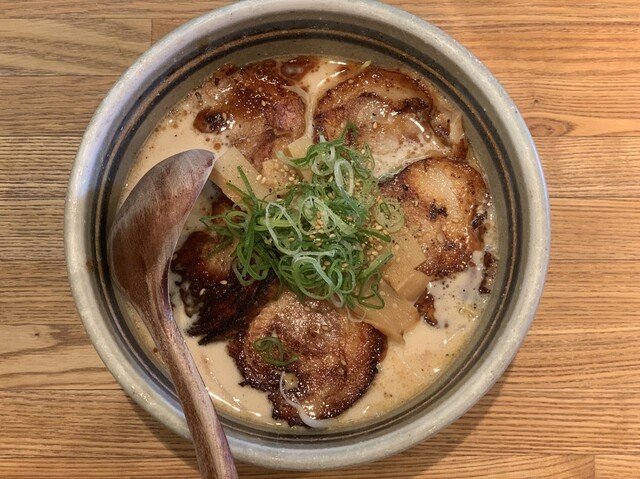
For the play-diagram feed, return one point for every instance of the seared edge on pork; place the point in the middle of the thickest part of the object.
(253, 108)
(210, 289)
(401, 118)
(444, 202)
(337, 358)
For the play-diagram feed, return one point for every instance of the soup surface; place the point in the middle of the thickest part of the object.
(424, 163)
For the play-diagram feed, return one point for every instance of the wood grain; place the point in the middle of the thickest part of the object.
(589, 232)
(70, 103)
(50, 357)
(73, 47)
(569, 404)
(507, 421)
(592, 105)
(498, 467)
(611, 467)
(606, 167)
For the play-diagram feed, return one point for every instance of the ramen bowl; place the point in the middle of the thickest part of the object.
(367, 30)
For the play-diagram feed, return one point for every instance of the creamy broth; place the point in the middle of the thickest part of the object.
(407, 369)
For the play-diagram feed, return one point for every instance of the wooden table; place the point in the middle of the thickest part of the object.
(569, 405)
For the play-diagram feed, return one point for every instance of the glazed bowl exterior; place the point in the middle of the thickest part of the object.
(360, 30)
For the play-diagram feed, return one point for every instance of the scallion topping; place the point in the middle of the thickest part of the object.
(326, 239)
(274, 352)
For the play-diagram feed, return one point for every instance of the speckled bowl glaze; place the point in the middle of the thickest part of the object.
(363, 30)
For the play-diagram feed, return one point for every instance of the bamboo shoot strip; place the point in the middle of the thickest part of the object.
(225, 173)
(397, 317)
(400, 272)
(298, 149)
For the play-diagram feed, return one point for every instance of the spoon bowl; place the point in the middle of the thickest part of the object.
(140, 246)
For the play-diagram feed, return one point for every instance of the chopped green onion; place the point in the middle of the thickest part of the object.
(389, 214)
(326, 239)
(274, 352)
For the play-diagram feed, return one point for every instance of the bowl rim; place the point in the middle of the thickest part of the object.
(483, 375)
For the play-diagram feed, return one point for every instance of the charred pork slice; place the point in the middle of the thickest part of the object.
(252, 107)
(444, 202)
(398, 116)
(209, 288)
(337, 358)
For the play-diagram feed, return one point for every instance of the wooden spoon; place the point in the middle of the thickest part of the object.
(140, 246)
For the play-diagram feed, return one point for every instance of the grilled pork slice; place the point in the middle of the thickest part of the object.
(252, 108)
(401, 118)
(444, 202)
(337, 358)
(210, 289)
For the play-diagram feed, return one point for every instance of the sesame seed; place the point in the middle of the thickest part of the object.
(223, 282)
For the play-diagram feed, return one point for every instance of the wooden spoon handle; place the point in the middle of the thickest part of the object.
(212, 449)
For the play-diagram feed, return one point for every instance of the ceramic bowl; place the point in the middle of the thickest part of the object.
(361, 30)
